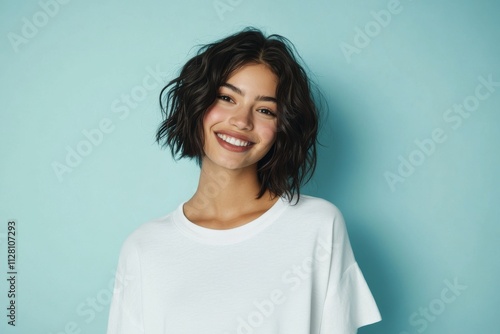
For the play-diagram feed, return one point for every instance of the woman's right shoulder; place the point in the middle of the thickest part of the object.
(150, 230)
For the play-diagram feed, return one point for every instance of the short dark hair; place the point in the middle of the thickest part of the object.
(185, 100)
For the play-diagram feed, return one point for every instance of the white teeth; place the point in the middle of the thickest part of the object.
(233, 141)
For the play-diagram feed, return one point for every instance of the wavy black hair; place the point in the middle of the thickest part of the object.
(291, 161)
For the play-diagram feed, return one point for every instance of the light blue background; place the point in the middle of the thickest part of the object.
(440, 224)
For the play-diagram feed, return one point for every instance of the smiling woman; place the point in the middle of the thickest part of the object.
(247, 252)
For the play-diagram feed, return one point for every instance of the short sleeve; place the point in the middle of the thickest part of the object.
(125, 313)
(349, 303)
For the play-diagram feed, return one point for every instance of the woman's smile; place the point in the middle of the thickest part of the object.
(232, 141)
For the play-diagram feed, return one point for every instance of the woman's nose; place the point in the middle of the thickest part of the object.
(242, 118)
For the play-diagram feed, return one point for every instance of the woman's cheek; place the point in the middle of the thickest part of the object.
(271, 131)
(214, 114)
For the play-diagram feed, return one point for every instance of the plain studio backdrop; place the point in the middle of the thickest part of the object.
(409, 155)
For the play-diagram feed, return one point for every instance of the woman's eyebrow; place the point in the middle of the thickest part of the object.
(240, 92)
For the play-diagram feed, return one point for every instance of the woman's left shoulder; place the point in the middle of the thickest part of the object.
(319, 206)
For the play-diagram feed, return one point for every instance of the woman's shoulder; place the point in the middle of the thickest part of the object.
(150, 230)
(315, 211)
(316, 205)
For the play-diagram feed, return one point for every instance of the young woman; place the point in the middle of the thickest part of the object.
(246, 253)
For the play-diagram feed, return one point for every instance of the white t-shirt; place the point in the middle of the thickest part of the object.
(291, 270)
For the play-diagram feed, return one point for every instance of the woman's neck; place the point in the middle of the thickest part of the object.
(225, 195)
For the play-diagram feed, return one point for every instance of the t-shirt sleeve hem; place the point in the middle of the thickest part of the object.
(362, 306)
(350, 305)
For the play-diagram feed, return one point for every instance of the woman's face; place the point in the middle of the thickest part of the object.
(240, 127)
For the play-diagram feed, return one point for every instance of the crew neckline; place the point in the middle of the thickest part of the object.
(232, 235)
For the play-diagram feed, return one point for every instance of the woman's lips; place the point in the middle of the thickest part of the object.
(231, 147)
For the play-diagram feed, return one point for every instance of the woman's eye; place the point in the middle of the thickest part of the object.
(267, 112)
(224, 98)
